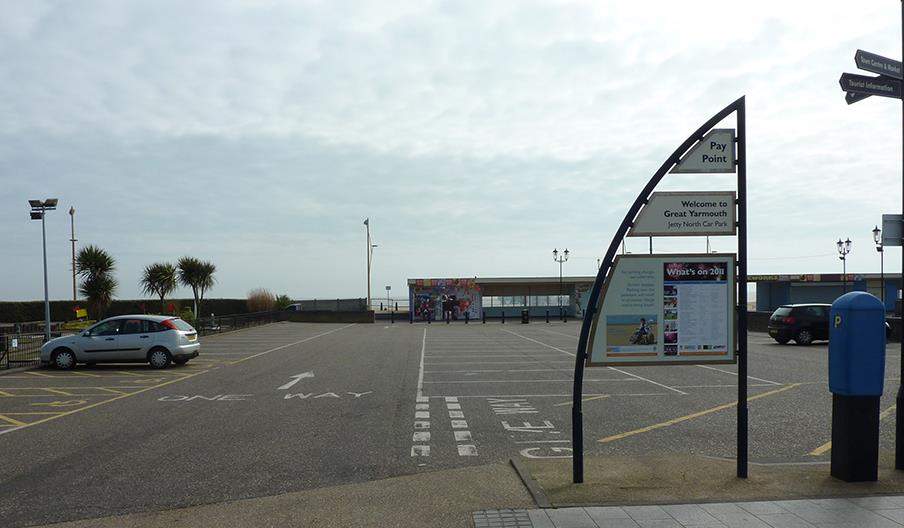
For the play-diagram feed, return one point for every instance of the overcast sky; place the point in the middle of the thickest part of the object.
(476, 136)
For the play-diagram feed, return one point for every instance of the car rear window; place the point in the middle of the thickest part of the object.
(783, 311)
(182, 325)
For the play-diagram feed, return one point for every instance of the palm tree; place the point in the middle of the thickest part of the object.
(198, 275)
(95, 266)
(159, 279)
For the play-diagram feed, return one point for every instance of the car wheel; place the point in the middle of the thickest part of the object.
(64, 359)
(180, 361)
(159, 358)
(781, 341)
(804, 337)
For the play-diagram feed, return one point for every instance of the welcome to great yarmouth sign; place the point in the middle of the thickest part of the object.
(686, 214)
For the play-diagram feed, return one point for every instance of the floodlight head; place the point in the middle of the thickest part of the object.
(50, 202)
(36, 215)
(35, 204)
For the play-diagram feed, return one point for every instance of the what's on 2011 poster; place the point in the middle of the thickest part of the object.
(659, 309)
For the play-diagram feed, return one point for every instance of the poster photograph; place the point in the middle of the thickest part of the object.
(664, 309)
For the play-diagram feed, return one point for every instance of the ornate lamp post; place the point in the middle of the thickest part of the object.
(843, 249)
(877, 238)
(560, 259)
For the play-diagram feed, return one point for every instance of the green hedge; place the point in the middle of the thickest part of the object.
(23, 311)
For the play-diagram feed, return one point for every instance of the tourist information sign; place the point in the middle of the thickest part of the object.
(891, 229)
(865, 85)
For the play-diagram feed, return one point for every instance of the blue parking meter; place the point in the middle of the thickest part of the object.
(856, 381)
(857, 345)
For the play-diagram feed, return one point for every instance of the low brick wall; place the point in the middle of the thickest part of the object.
(325, 316)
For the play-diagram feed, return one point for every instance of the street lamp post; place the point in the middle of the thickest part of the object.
(560, 260)
(843, 249)
(877, 238)
(38, 210)
(370, 254)
(73, 240)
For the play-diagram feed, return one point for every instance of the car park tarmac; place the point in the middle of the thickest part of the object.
(291, 407)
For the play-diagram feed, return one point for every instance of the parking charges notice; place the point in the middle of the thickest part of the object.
(663, 309)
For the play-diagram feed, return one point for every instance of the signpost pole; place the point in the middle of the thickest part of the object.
(742, 290)
(577, 419)
(899, 400)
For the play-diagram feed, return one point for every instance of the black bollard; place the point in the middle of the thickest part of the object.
(410, 316)
(429, 316)
(503, 317)
(448, 317)
(565, 316)
(392, 317)
(547, 316)
(467, 317)
(484, 320)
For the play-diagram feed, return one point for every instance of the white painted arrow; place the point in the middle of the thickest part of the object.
(296, 378)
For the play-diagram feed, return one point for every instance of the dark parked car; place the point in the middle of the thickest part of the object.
(804, 323)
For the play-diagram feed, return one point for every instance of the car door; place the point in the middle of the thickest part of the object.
(135, 339)
(100, 342)
(820, 322)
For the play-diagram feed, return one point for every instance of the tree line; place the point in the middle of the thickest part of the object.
(98, 284)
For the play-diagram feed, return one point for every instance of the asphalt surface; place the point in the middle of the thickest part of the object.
(294, 407)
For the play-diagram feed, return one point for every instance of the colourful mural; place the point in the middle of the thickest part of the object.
(439, 296)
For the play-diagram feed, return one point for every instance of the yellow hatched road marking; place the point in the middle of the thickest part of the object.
(5, 394)
(115, 398)
(692, 416)
(27, 413)
(11, 420)
(591, 398)
(58, 391)
(85, 374)
(127, 373)
(41, 374)
(826, 447)
(114, 391)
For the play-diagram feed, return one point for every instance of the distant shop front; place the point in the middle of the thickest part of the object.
(773, 291)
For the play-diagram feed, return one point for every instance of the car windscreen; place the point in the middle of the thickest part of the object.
(783, 311)
(182, 325)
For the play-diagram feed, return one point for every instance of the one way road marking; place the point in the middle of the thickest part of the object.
(296, 378)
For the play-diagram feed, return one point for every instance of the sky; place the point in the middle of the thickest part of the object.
(476, 136)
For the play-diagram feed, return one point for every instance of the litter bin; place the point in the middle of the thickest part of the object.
(525, 316)
(856, 379)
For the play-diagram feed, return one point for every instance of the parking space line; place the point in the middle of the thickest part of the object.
(826, 447)
(540, 343)
(127, 373)
(649, 381)
(85, 374)
(41, 374)
(698, 414)
(292, 344)
(420, 376)
(735, 374)
(569, 402)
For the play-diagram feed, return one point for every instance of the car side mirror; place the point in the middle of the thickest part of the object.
(86, 333)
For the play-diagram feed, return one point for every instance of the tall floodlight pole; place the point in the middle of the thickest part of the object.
(73, 240)
(877, 238)
(843, 249)
(560, 260)
(38, 210)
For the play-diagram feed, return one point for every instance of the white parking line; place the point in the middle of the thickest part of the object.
(735, 374)
(649, 381)
(540, 343)
(420, 376)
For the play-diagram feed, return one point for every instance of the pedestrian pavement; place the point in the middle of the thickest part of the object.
(859, 512)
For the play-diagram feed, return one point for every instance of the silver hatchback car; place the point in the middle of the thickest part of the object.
(155, 339)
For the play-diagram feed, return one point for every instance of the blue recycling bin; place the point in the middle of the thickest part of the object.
(856, 381)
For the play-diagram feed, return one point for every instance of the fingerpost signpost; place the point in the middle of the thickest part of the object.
(668, 309)
(887, 84)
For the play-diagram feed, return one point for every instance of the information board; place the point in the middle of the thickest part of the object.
(665, 309)
(686, 214)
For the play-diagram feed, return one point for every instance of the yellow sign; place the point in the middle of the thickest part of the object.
(81, 312)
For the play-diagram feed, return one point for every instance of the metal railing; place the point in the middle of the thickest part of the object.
(20, 350)
(224, 323)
